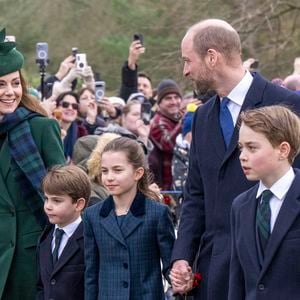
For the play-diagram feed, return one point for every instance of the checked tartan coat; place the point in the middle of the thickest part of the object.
(124, 263)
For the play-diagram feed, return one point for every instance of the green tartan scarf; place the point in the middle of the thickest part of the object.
(27, 165)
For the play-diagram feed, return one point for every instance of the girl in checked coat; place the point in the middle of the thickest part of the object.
(128, 234)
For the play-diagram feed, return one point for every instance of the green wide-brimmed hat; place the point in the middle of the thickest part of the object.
(11, 60)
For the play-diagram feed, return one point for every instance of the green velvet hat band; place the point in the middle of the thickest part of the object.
(11, 60)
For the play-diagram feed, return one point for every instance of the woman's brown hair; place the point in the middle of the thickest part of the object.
(29, 101)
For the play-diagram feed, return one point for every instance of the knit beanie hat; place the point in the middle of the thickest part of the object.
(11, 60)
(165, 87)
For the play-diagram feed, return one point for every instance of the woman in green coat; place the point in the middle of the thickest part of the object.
(29, 144)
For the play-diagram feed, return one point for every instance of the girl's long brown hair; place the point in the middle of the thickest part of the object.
(135, 156)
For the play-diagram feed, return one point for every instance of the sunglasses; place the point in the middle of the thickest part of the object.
(67, 104)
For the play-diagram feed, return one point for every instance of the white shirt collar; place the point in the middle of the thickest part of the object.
(70, 228)
(280, 187)
(239, 92)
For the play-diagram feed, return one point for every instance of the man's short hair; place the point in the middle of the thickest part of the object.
(277, 123)
(143, 74)
(216, 34)
(67, 180)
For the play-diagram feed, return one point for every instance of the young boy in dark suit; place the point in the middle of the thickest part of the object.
(61, 248)
(265, 220)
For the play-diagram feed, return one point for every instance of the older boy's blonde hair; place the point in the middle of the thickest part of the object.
(67, 180)
(277, 123)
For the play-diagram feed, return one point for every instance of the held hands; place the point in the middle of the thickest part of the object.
(182, 277)
(135, 50)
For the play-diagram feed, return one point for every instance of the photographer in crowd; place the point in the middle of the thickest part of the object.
(132, 81)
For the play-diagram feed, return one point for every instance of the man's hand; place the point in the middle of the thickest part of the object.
(135, 50)
(181, 277)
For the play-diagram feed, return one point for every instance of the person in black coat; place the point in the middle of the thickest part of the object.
(265, 220)
(211, 51)
(61, 257)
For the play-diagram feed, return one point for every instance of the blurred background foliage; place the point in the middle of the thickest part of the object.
(103, 29)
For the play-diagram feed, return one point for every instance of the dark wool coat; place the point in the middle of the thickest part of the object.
(215, 178)
(279, 276)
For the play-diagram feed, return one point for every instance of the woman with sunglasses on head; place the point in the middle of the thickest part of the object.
(29, 144)
(68, 105)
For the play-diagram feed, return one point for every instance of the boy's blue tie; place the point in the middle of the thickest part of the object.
(226, 121)
(58, 236)
(263, 219)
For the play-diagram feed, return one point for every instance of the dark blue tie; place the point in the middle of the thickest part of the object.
(58, 236)
(226, 121)
(263, 219)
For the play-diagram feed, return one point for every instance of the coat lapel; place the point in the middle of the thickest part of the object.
(130, 223)
(71, 248)
(248, 216)
(289, 211)
(5, 161)
(5, 167)
(46, 249)
(214, 130)
(110, 224)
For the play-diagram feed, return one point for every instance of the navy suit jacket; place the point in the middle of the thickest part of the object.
(215, 179)
(125, 263)
(279, 276)
(66, 279)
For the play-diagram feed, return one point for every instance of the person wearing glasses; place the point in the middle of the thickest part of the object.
(68, 106)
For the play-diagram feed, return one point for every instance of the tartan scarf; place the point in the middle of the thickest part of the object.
(27, 165)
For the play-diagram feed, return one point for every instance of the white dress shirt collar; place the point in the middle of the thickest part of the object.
(280, 187)
(70, 228)
(239, 92)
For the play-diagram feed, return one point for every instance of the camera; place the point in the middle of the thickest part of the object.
(42, 53)
(81, 61)
(146, 112)
(99, 90)
(138, 37)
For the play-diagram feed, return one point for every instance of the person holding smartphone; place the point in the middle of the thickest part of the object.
(132, 81)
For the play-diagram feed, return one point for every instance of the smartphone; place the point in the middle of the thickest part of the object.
(99, 90)
(146, 112)
(81, 61)
(10, 38)
(42, 52)
(138, 37)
